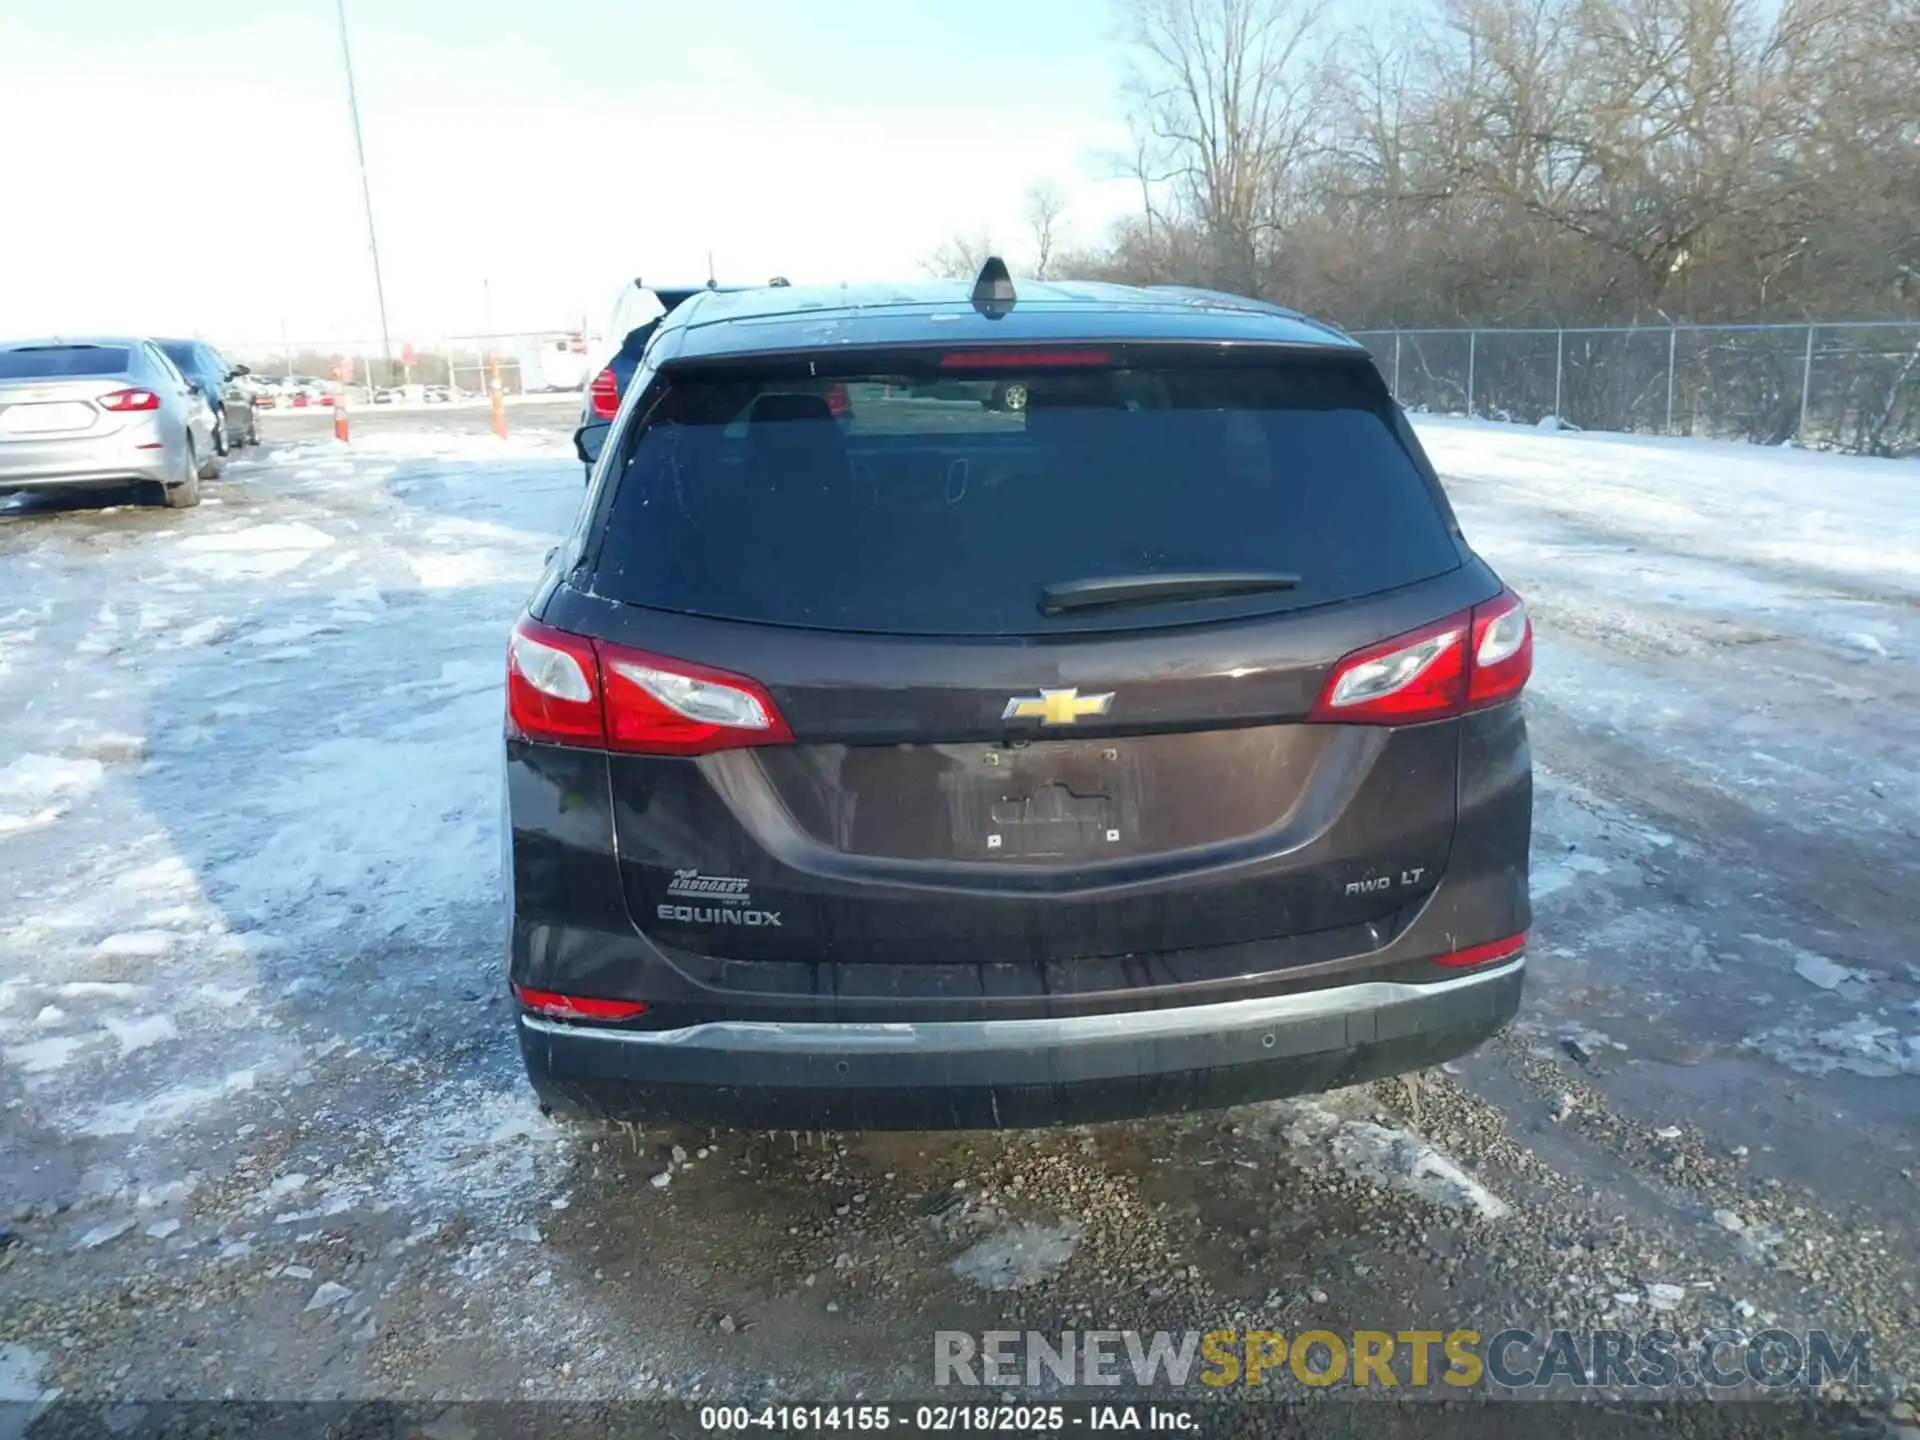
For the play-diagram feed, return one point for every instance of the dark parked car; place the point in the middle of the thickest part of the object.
(1157, 744)
(235, 421)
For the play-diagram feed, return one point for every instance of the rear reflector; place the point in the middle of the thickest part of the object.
(1484, 954)
(1021, 359)
(565, 689)
(605, 394)
(576, 1007)
(121, 401)
(1467, 661)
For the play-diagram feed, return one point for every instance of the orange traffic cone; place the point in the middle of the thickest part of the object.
(339, 421)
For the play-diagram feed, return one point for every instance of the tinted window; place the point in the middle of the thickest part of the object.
(181, 355)
(889, 503)
(62, 361)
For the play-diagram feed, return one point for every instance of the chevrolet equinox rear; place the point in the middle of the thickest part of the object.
(880, 755)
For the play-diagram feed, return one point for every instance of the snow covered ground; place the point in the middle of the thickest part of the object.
(254, 1047)
(1729, 637)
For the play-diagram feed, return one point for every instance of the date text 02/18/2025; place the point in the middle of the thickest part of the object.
(945, 1419)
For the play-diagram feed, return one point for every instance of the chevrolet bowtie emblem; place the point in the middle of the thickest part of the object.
(1056, 707)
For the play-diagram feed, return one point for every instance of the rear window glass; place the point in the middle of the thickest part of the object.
(905, 505)
(51, 362)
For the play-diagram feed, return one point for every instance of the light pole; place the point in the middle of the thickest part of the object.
(366, 193)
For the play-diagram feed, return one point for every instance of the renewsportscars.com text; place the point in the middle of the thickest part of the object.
(1513, 1359)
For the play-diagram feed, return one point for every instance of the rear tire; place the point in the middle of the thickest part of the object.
(186, 494)
(207, 469)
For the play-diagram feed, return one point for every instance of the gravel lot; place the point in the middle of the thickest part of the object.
(267, 1134)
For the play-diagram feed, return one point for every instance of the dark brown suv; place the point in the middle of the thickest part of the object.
(880, 755)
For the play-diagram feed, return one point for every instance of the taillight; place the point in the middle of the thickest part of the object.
(576, 1007)
(553, 687)
(837, 401)
(121, 401)
(1476, 658)
(1502, 651)
(567, 690)
(668, 707)
(1483, 954)
(604, 394)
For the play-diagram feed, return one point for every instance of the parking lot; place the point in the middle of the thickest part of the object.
(268, 1133)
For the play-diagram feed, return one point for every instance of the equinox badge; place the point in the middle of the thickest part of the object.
(1056, 707)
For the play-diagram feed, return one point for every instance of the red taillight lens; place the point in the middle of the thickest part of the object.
(657, 706)
(837, 401)
(567, 690)
(1020, 359)
(121, 401)
(1484, 954)
(1476, 658)
(576, 1007)
(605, 394)
(553, 687)
(1502, 651)
(1421, 675)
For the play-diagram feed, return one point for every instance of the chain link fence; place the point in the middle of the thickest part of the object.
(442, 367)
(1852, 386)
(1844, 386)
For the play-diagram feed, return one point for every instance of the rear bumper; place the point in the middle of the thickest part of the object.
(1015, 1073)
(107, 460)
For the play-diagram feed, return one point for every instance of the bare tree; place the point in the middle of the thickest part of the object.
(1225, 95)
(959, 256)
(1528, 161)
(1044, 206)
(1449, 162)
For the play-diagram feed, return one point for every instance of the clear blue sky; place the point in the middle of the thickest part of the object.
(195, 168)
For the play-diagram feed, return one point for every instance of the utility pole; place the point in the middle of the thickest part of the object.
(366, 192)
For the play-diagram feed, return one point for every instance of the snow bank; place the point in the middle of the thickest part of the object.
(251, 552)
(49, 777)
(1851, 517)
(1400, 1160)
(399, 823)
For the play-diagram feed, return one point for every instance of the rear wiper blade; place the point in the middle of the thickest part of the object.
(1110, 590)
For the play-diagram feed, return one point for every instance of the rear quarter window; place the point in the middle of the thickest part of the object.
(938, 505)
